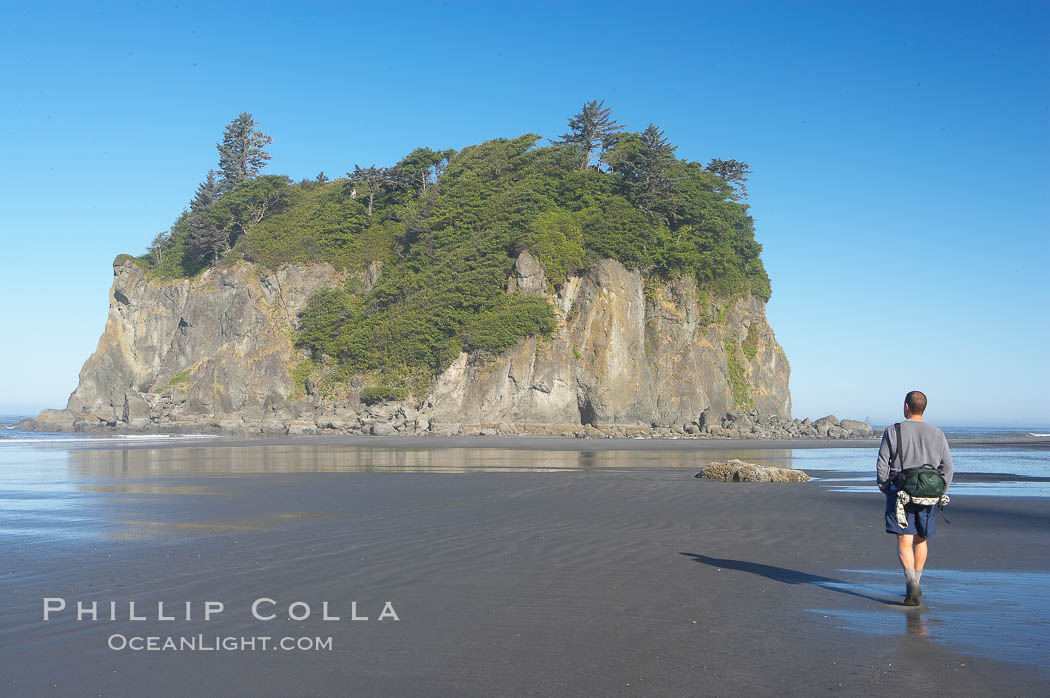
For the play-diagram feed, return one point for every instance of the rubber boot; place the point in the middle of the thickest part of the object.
(912, 595)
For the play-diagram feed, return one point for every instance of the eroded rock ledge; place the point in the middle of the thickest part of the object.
(406, 419)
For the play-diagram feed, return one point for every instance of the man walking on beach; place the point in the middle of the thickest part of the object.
(920, 444)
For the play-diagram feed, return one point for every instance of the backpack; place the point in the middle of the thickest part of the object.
(924, 481)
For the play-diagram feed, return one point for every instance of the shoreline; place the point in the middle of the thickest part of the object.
(542, 443)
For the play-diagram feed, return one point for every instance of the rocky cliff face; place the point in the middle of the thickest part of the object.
(214, 354)
(622, 356)
(214, 347)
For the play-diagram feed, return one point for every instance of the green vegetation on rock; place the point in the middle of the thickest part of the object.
(137, 261)
(704, 303)
(750, 343)
(737, 377)
(180, 380)
(555, 237)
(299, 374)
(382, 393)
(447, 227)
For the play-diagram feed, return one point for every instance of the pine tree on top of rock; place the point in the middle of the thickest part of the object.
(592, 130)
(241, 154)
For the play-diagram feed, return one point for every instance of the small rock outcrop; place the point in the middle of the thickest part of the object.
(528, 277)
(861, 429)
(755, 425)
(739, 471)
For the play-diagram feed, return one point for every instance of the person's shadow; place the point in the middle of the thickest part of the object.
(786, 576)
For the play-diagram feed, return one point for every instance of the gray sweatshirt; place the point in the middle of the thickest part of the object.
(924, 444)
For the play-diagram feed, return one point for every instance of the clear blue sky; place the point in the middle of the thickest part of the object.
(901, 157)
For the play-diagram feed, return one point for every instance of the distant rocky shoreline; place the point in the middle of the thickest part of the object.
(393, 419)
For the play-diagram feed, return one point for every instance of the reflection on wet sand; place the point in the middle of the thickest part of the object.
(234, 460)
(141, 528)
(1004, 615)
(915, 625)
(184, 526)
(144, 489)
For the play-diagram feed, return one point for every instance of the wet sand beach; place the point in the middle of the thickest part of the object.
(516, 569)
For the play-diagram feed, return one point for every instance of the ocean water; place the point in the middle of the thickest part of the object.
(1008, 459)
(985, 432)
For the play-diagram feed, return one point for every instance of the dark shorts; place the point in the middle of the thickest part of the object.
(920, 518)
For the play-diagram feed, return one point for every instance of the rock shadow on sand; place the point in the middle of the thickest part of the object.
(789, 576)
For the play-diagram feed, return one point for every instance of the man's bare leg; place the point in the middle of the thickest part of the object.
(906, 552)
(919, 554)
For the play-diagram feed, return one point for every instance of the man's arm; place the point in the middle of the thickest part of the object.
(882, 466)
(947, 468)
